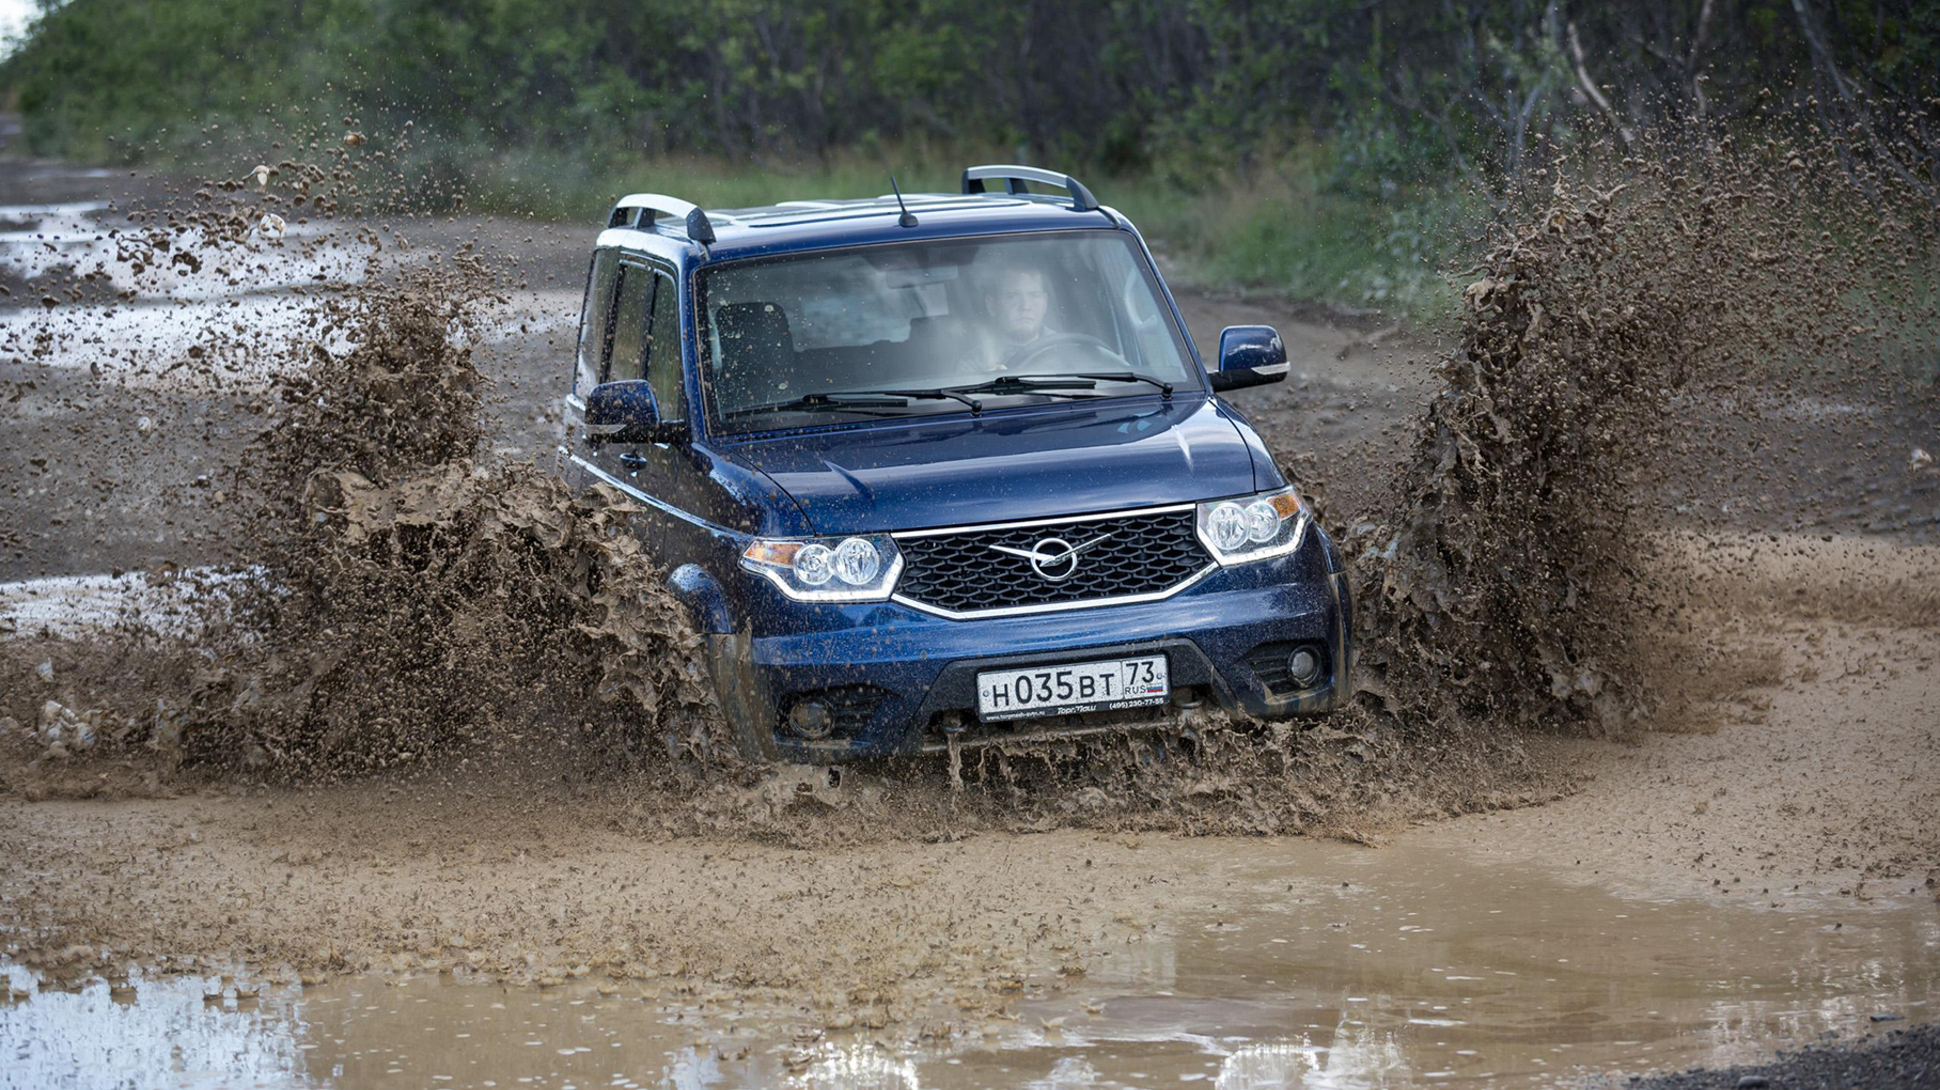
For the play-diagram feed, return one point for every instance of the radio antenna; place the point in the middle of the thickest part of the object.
(907, 219)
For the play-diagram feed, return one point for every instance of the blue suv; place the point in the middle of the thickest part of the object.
(945, 469)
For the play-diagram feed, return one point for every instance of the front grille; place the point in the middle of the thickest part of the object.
(960, 572)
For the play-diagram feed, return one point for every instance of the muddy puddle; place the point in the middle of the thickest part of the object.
(1284, 964)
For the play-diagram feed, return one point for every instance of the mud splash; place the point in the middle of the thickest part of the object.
(1628, 333)
(1634, 349)
(396, 596)
(433, 712)
(411, 602)
(413, 598)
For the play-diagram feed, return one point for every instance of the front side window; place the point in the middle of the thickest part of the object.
(642, 325)
(926, 327)
(663, 350)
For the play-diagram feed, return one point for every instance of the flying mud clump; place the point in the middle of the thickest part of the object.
(1625, 337)
(392, 597)
(411, 598)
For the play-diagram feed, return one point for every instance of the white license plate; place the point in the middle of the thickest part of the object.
(1028, 691)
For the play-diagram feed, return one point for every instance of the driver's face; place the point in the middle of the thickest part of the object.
(1018, 302)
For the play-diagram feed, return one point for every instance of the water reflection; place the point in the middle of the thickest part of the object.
(1288, 965)
(147, 1034)
(859, 1065)
(1338, 968)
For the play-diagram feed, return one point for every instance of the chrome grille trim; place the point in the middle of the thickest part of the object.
(955, 593)
(1061, 520)
(1057, 607)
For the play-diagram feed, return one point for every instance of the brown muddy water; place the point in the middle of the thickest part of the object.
(1313, 965)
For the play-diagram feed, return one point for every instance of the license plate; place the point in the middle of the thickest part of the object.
(1027, 692)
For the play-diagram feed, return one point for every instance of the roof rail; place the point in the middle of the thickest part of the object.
(1014, 178)
(699, 228)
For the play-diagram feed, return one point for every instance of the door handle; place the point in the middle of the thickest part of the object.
(633, 461)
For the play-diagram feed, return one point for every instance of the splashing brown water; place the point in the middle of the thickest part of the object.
(413, 603)
(1627, 333)
(412, 599)
(404, 599)
(1631, 349)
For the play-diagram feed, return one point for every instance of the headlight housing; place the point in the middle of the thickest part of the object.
(1258, 527)
(859, 568)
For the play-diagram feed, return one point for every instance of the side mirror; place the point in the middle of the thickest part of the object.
(625, 412)
(1249, 355)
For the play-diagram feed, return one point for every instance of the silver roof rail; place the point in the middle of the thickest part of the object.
(699, 228)
(1014, 178)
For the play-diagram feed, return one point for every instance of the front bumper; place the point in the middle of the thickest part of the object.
(898, 677)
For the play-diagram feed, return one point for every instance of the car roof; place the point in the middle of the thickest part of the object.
(788, 226)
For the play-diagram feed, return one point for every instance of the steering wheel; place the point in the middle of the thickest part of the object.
(1042, 345)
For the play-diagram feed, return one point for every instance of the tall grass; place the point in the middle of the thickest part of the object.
(1286, 232)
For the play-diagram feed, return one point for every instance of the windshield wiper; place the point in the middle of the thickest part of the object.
(954, 393)
(1026, 384)
(859, 400)
(1165, 388)
(1052, 382)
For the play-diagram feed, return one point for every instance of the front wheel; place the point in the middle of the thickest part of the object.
(738, 695)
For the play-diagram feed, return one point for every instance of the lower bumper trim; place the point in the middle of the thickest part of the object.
(1047, 733)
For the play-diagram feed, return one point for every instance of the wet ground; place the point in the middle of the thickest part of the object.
(1290, 963)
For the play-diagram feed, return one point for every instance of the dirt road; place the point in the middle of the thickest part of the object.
(1797, 782)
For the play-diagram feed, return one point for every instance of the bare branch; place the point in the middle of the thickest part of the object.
(1851, 95)
(1691, 59)
(1697, 39)
(1590, 88)
(1821, 56)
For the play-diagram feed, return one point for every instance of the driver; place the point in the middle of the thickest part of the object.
(1016, 301)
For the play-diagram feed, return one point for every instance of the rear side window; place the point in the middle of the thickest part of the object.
(594, 326)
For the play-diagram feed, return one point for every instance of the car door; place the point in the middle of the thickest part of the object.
(645, 344)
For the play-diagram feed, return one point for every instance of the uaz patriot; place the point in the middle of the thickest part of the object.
(946, 468)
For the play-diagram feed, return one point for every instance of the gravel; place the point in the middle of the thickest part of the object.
(1901, 1058)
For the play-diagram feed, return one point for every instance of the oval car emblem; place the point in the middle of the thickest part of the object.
(1052, 558)
(1052, 554)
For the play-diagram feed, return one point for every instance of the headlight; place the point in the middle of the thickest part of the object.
(848, 569)
(1253, 527)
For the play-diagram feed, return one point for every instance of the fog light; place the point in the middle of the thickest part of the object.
(811, 720)
(1304, 665)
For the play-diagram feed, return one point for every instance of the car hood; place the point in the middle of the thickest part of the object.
(1062, 460)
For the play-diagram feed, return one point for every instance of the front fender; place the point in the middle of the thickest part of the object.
(704, 597)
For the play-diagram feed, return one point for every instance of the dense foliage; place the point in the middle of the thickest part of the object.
(1406, 87)
(1338, 150)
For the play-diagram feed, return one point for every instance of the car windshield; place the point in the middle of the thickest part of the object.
(952, 325)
